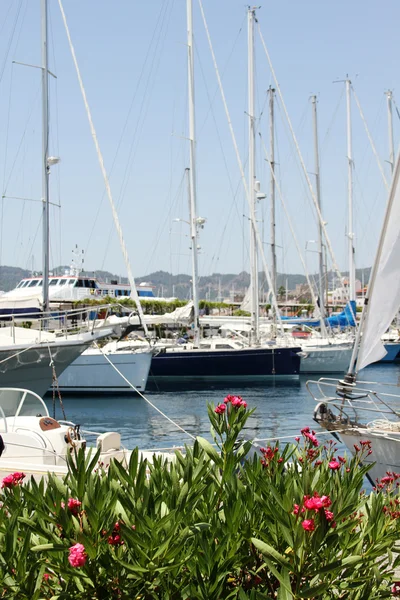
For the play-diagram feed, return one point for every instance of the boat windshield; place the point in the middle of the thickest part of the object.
(21, 403)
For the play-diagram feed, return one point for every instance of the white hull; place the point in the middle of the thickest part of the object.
(325, 359)
(31, 368)
(385, 446)
(92, 373)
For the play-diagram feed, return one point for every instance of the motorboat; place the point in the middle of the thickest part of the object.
(34, 444)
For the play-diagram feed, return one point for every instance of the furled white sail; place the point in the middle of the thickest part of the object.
(246, 302)
(384, 292)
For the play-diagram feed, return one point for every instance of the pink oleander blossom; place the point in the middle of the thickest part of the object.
(329, 516)
(77, 556)
(395, 588)
(308, 525)
(220, 409)
(229, 398)
(334, 465)
(74, 505)
(12, 480)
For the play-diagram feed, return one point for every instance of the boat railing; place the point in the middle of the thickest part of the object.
(60, 322)
(353, 401)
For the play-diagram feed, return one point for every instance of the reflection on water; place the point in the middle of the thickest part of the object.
(282, 409)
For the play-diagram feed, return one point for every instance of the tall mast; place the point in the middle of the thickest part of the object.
(191, 174)
(254, 335)
(350, 232)
(389, 96)
(271, 93)
(45, 156)
(321, 288)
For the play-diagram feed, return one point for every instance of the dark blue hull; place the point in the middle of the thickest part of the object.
(251, 365)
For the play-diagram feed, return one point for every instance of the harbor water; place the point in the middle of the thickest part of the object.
(282, 409)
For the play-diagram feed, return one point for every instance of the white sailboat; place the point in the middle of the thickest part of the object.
(363, 411)
(27, 356)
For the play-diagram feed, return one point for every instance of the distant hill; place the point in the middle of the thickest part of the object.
(211, 287)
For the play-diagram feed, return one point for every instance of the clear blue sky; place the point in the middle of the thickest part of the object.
(133, 61)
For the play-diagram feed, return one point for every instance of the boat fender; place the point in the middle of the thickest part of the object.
(2, 445)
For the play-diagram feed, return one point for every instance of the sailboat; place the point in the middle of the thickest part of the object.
(221, 360)
(364, 412)
(30, 357)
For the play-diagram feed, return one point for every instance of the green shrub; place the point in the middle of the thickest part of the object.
(219, 522)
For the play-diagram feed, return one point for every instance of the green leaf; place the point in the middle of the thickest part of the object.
(268, 550)
(44, 547)
(209, 450)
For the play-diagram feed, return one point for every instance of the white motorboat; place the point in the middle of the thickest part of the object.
(35, 444)
(346, 408)
(92, 372)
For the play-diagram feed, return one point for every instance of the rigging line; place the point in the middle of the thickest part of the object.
(321, 220)
(145, 101)
(332, 122)
(125, 126)
(26, 261)
(22, 139)
(370, 138)
(222, 73)
(134, 293)
(10, 41)
(289, 220)
(166, 220)
(144, 107)
(233, 192)
(6, 17)
(240, 164)
(292, 156)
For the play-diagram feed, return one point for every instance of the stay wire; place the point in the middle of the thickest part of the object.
(143, 396)
(125, 126)
(143, 110)
(10, 41)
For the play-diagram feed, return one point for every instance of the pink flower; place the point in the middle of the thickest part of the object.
(296, 509)
(12, 480)
(297, 439)
(308, 525)
(220, 409)
(46, 576)
(73, 505)
(243, 403)
(236, 401)
(313, 503)
(396, 588)
(334, 465)
(326, 501)
(77, 555)
(312, 438)
(228, 398)
(329, 515)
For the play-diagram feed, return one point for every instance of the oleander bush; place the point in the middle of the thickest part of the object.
(220, 521)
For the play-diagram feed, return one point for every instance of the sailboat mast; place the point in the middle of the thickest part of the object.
(254, 335)
(321, 287)
(271, 93)
(192, 174)
(350, 233)
(45, 155)
(389, 96)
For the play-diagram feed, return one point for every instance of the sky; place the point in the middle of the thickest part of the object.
(132, 57)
